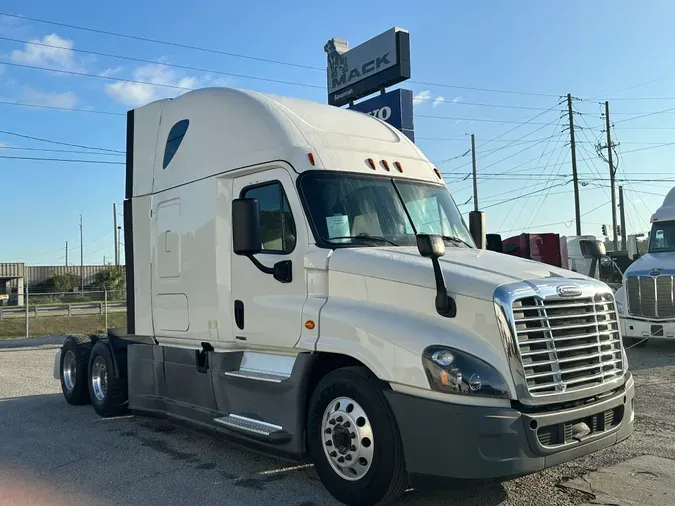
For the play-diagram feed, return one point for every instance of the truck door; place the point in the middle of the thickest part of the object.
(267, 311)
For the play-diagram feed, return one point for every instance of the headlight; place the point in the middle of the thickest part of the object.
(619, 307)
(455, 372)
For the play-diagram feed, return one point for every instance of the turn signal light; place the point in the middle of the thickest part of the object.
(311, 158)
(309, 325)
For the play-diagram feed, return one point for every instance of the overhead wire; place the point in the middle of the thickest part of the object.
(158, 41)
(41, 139)
(506, 216)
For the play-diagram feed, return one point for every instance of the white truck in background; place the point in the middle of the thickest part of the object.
(646, 301)
(301, 281)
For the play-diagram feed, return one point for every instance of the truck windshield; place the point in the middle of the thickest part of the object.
(355, 210)
(662, 237)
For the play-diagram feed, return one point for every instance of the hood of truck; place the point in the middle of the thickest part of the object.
(470, 272)
(652, 261)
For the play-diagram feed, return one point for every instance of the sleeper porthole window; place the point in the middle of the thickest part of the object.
(173, 140)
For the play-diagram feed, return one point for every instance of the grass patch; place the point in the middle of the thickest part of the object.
(60, 325)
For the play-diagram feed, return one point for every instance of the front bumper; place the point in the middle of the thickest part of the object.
(641, 329)
(443, 441)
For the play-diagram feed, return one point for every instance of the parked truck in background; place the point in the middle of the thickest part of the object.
(576, 253)
(646, 302)
(301, 281)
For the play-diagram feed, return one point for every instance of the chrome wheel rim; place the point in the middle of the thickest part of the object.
(347, 438)
(69, 370)
(99, 378)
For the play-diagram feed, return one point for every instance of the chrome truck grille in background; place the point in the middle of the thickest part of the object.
(562, 338)
(651, 296)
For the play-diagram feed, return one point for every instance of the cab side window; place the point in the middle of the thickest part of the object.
(276, 220)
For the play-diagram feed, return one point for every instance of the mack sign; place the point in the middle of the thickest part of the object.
(394, 107)
(355, 73)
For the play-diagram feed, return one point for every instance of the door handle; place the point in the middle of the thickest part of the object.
(167, 249)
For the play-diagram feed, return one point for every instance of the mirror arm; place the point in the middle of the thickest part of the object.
(445, 305)
(282, 271)
(261, 267)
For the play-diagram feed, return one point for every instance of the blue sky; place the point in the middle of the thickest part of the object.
(590, 49)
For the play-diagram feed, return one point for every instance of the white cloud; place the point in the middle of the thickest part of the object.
(438, 100)
(111, 71)
(67, 100)
(170, 84)
(456, 99)
(61, 57)
(3, 145)
(422, 96)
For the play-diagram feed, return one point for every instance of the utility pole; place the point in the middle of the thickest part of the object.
(577, 211)
(624, 245)
(611, 173)
(81, 258)
(476, 218)
(119, 237)
(66, 253)
(117, 250)
(475, 179)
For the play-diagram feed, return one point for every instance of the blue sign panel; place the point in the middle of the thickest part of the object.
(394, 107)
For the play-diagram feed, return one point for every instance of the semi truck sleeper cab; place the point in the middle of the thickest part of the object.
(301, 281)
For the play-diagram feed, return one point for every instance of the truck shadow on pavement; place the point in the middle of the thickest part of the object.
(54, 453)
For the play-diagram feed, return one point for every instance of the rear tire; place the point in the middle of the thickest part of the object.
(348, 406)
(109, 395)
(73, 369)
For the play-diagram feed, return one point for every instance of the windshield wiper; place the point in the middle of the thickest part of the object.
(365, 237)
(456, 240)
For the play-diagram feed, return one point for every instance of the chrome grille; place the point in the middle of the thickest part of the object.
(651, 296)
(567, 344)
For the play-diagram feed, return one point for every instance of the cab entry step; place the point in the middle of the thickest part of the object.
(255, 428)
(257, 375)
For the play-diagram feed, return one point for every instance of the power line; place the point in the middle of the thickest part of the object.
(558, 222)
(428, 116)
(478, 104)
(508, 131)
(42, 106)
(21, 148)
(487, 90)
(157, 41)
(151, 62)
(23, 136)
(103, 162)
(264, 60)
(549, 182)
(645, 115)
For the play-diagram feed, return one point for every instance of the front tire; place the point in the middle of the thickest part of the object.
(73, 369)
(353, 439)
(108, 394)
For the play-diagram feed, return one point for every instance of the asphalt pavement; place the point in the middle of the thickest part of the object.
(57, 454)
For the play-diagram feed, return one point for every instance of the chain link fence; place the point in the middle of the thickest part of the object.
(42, 314)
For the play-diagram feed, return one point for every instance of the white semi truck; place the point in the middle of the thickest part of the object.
(301, 281)
(646, 301)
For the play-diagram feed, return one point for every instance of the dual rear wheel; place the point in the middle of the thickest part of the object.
(88, 375)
